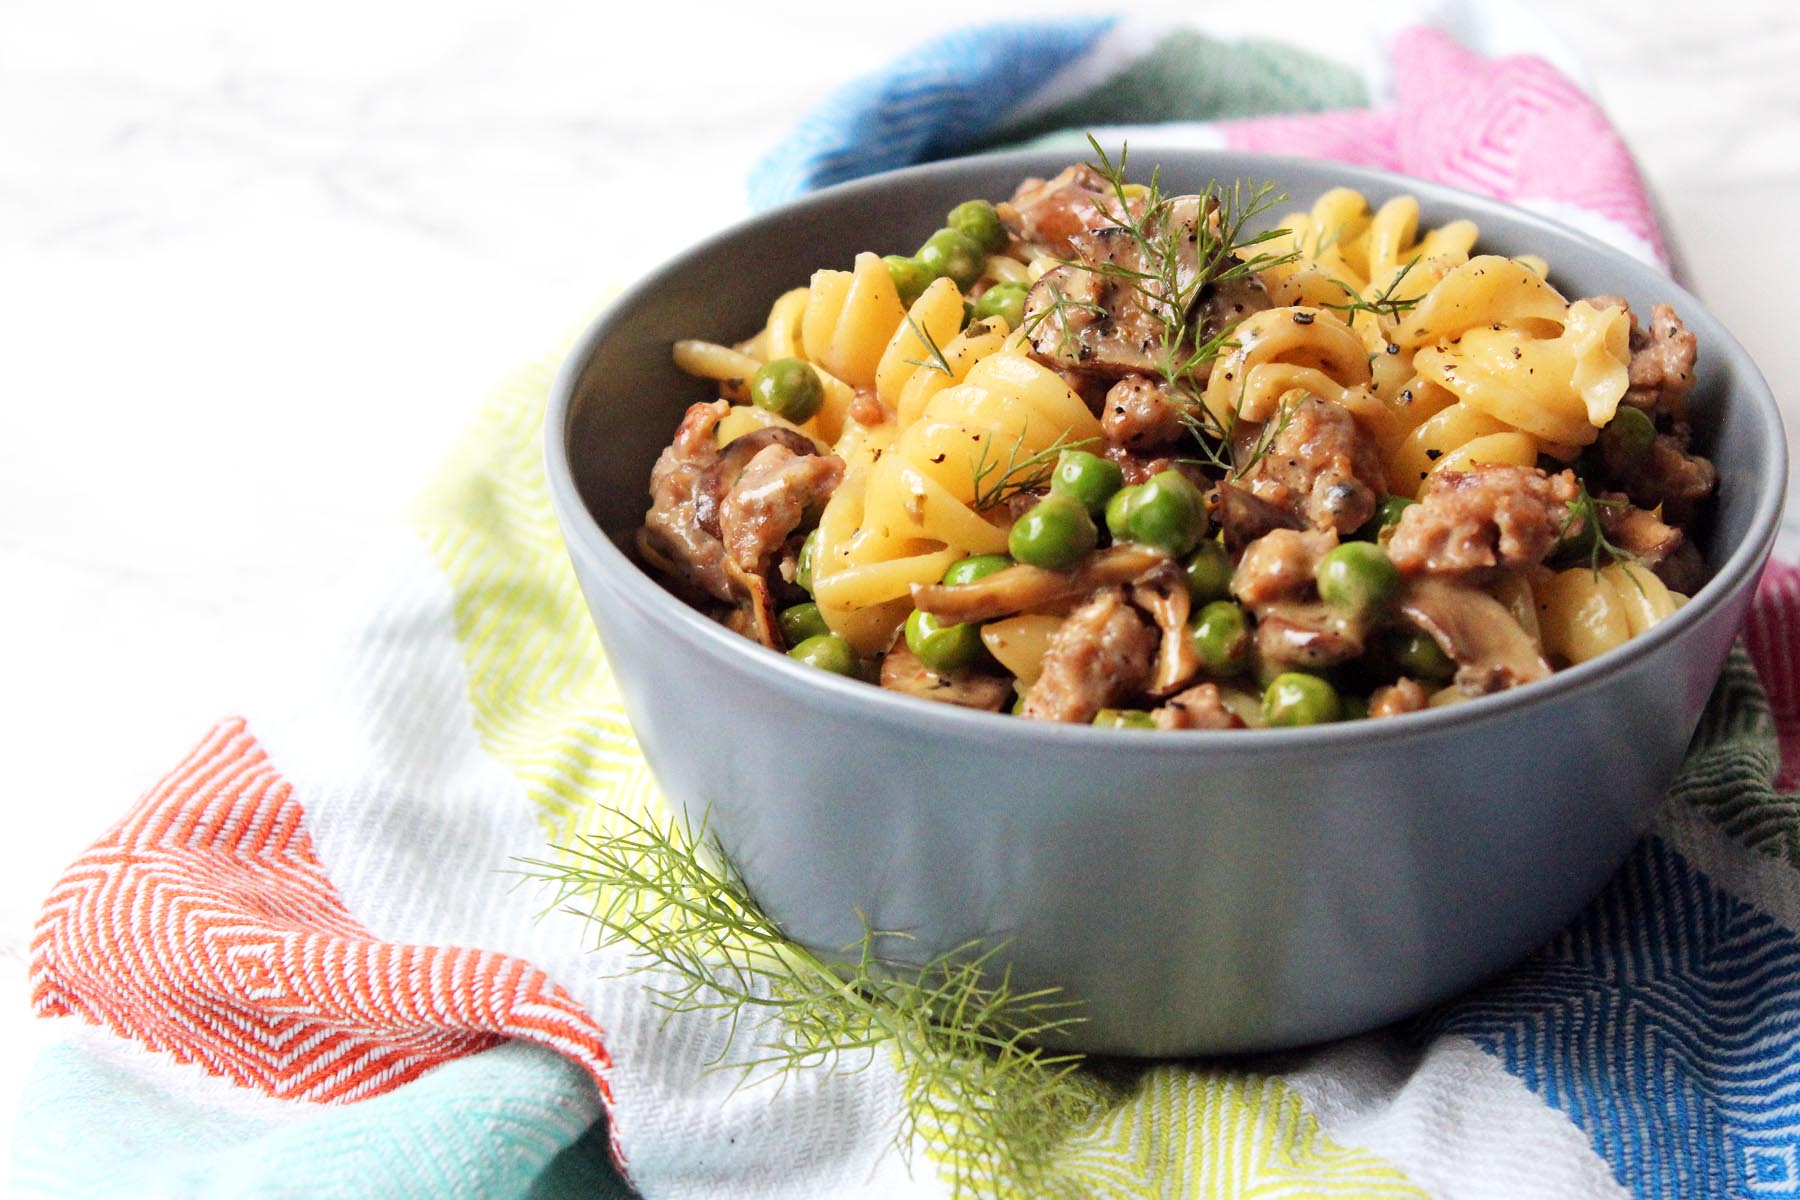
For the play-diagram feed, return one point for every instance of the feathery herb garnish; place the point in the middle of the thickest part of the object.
(937, 361)
(1177, 263)
(989, 1101)
(1383, 304)
(1582, 516)
(1060, 306)
(1026, 474)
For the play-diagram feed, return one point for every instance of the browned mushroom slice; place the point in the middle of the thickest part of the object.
(1492, 651)
(758, 620)
(901, 671)
(1163, 593)
(1244, 517)
(1021, 588)
(1111, 312)
(723, 472)
(1306, 635)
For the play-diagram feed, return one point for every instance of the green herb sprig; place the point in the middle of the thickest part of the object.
(1170, 287)
(1020, 474)
(937, 361)
(1582, 515)
(983, 1094)
(1383, 304)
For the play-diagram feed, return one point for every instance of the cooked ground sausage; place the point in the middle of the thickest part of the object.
(1487, 516)
(1401, 696)
(1141, 413)
(770, 500)
(1322, 467)
(1662, 358)
(672, 538)
(1102, 653)
(1198, 707)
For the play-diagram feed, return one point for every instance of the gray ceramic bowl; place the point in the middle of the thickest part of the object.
(1198, 892)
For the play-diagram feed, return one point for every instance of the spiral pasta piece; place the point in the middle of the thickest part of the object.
(1583, 612)
(914, 509)
(850, 316)
(1271, 354)
(1456, 438)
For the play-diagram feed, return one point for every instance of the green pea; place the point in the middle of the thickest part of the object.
(828, 652)
(1353, 708)
(978, 220)
(802, 621)
(1296, 698)
(1629, 436)
(1387, 514)
(788, 387)
(950, 252)
(1220, 637)
(1119, 509)
(1209, 572)
(1088, 478)
(1169, 514)
(911, 277)
(1003, 300)
(803, 564)
(1358, 578)
(976, 567)
(1417, 654)
(1124, 718)
(939, 646)
(1055, 533)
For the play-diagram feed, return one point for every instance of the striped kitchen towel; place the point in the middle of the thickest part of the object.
(300, 965)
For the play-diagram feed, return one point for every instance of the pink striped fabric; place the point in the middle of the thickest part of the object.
(1773, 636)
(1514, 128)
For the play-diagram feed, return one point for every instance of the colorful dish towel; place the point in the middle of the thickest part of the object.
(301, 965)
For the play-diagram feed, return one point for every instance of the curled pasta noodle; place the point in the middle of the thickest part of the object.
(1559, 389)
(1019, 643)
(1346, 251)
(1486, 290)
(1456, 438)
(1583, 612)
(912, 371)
(914, 509)
(1272, 353)
(850, 316)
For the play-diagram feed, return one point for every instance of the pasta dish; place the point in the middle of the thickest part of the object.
(1106, 453)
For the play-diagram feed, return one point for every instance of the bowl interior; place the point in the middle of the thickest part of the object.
(620, 397)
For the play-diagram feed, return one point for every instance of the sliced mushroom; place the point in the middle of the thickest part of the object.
(1306, 635)
(758, 620)
(722, 472)
(1163, 593)
(901, 671)
(1020, 588)
(1244, 517)
(1492, 651)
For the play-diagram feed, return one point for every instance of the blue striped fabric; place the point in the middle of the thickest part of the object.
(935, 101)
(1665, 1022)
(506, 1122)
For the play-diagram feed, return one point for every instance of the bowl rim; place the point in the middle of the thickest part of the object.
(582, 533)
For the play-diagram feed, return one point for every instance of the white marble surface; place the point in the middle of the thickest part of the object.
(259, 264)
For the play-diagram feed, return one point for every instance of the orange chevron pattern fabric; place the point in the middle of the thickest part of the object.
(203, 925)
